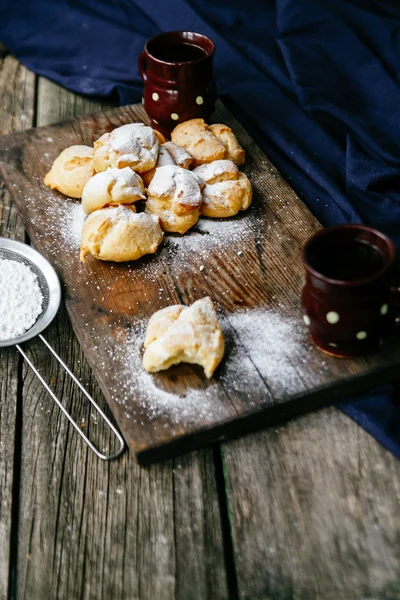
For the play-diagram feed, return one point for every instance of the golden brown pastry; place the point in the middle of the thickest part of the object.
(234, 150)
(181, 157)
(199, 141)
(174, 195)
(188, 334)
(207, 143)
(111, 188)
(134, 145)
(120, 234)
(164, 158)
(169, 154)
(227, 190)
(71, 171)
(159, 136)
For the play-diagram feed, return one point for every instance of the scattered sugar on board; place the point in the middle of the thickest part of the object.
(71, 224)
(191, 407)
(61, 220)
(64, 219)
(274, 344)
(212, 234)
(258, 342)
(21, 299)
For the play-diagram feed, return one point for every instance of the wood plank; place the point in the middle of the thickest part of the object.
(94, 530)
(314, 509)
(259, 269)
(57, 104)
(17, 87)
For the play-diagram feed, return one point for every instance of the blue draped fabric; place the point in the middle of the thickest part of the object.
(316, 82)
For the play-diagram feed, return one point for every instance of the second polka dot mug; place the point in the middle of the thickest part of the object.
(177, 71)
(346, 297)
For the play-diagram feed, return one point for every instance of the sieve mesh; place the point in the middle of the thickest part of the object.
(44, 288)
(50, 288)
(47, 280)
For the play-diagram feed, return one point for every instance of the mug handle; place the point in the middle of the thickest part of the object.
(142, 64)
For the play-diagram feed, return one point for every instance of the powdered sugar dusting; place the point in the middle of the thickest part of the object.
(132, 137)
(210, 171)
(134, 143)
(64, 219)
(275, 345)
(113, 186)
(177, 182)
(137, 387)
(126, 213)
(71, 223)
(164, 158)
(211, 234)
(58, 227)
(21, 299)
(179, 154)
(262, 346)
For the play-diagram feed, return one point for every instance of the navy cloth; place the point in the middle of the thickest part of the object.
(316, 82)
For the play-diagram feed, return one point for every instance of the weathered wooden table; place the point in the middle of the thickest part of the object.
(310, 510)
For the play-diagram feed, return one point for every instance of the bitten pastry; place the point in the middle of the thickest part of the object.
(71, 171)
(227, 190)
(207, 143)
(169, 154)
(188, 334)
(111, 188)
(134, 145)
(174, 195)
(120, 234)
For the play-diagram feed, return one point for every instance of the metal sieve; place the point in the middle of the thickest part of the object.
(50, 287)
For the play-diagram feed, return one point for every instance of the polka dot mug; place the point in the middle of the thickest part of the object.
(177, 71)
(346, 300)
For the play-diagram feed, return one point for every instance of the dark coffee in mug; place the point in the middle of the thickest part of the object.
(346, 297)
(349, 261)
(179, 53)
(176, 68)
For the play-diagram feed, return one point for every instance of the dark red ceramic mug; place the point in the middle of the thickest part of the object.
(177, 71)
(346, 300)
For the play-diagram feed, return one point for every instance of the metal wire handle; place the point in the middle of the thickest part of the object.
(64, 410)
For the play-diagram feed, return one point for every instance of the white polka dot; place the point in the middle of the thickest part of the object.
(199, 100)
(307, 320)
(155, 96)
(332, 317)
(174, 116)
(384, 309)
(156, 122)
(332, 345)
(361, 335)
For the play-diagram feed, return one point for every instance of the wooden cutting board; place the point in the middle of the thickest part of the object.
(251, 267)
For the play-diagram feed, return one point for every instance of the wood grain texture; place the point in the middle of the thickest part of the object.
(17, 92)
(259, 268)
(315, 512)
(314, 505)
(93, 530)
(57, 103)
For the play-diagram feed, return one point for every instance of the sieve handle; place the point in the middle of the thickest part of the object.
(64, 410)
